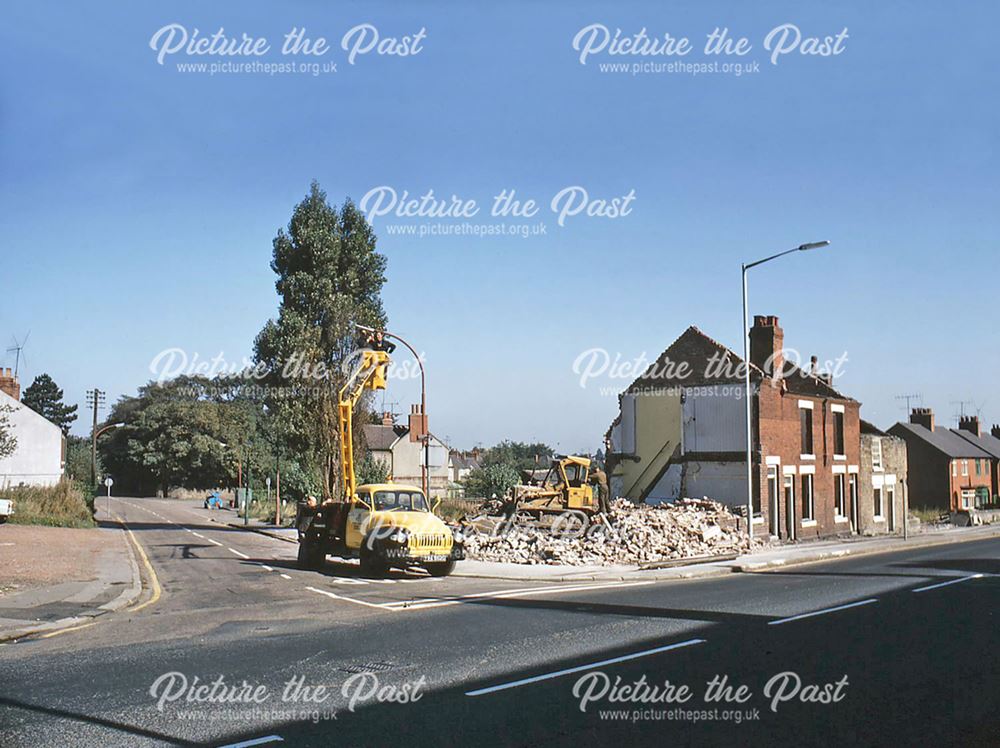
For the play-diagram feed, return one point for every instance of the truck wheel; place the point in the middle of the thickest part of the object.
(440, 569)
(371, 564)
(310, 556)
(3, 518)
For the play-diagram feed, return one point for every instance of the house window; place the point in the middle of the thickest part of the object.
(877, 494)
(806, 429)
(838, 433)
(965, 468)
(954, 468)
(876, 454)
(890, 500)
(807, 498)
(979, 470)
(839, 496)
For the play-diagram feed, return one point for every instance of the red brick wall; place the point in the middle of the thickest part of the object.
(780, 436)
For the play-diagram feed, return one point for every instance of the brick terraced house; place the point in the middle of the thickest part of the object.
(681, 432)
(947, 471)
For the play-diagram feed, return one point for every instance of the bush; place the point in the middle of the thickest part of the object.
(62, 505)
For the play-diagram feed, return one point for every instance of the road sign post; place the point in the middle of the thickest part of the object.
(109, 482)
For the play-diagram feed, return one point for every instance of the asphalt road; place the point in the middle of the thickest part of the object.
(909, 654)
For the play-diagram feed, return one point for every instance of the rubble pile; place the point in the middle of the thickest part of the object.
(630, 534)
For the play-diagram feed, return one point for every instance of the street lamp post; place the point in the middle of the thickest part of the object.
(425, 468)
(93, 449)
(746, 370)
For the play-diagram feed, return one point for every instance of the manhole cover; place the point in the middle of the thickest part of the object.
(368, 667)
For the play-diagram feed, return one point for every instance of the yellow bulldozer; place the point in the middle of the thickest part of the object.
(567, 489)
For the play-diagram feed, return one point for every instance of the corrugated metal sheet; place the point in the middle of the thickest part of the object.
(714, 419)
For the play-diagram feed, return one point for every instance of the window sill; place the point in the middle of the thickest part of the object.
(807, 457)
(840, 519)
(840, 458)
(808, 523)
(878, 519)
(758, 520)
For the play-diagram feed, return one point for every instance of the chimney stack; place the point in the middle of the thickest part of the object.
(995, 431)
(766, 343)
(9, 384)
(923, 417)
(387, 419)
(969, 423)
(417, 424)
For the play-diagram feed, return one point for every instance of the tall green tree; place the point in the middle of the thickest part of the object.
(330, 278)
(45, 398)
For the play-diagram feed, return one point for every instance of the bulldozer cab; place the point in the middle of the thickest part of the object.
(573, 473)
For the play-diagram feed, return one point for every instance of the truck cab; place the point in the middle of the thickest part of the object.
(385, 525)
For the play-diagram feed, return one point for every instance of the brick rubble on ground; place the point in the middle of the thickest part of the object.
(632, 534)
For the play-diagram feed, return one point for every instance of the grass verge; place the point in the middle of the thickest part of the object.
(61, 505)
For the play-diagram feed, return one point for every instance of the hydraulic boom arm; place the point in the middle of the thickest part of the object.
(369, 374)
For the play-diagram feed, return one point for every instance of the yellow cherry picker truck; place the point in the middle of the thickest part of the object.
(384, 525)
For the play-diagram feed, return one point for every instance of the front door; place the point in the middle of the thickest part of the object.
(790, 505)
(357, 524)
(772, 500)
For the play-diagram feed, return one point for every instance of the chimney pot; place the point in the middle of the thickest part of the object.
(923, 417)
(995, 430)
(969, 423)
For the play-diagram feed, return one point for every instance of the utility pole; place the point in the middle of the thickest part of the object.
(95, 399)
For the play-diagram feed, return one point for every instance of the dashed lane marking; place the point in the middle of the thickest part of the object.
(950, 581)
(824, 611)
(581, 668)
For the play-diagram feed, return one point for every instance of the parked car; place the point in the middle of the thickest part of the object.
(6, 509)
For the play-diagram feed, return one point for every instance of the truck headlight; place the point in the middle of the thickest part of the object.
(457, 536)
(400, 536)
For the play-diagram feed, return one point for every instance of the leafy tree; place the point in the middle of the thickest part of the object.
(45, 398)
(179, 434)
(8, 442)
(518, 455)
(372, 470)
(329, 279)
(492, 480)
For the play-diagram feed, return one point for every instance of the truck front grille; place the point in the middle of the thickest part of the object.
(428, 540)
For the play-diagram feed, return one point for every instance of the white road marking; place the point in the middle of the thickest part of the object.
(213, 541)
(503, 594)
(267, 567)
(241, 555)
(822, 612)
(285, 576)
(348, 599)
(197, 534)
(950, 581)
(255, 741)
(348, 580)
(580, 668)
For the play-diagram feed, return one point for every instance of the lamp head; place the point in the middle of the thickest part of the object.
(813, 245)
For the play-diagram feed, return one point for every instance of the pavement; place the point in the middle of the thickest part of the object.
(908, 633)
(55, 577)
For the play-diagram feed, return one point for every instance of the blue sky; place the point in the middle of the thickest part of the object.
(139, 202)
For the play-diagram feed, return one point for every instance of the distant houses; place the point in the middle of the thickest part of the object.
(41, 447)
(405, 454)
(953, 470)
